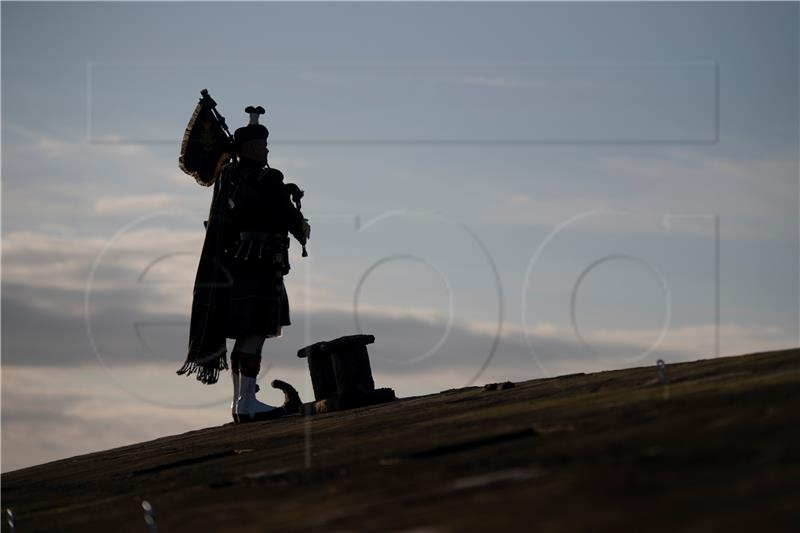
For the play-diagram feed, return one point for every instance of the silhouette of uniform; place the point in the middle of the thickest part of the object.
(261, 216)
(239, 291)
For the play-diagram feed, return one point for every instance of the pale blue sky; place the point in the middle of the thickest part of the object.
(447, 142)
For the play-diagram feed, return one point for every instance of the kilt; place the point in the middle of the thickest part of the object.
(257, 303)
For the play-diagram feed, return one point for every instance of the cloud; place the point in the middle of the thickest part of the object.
(755, 198)
(62, 260)
(151, 267)
(135, 203)
(55, 412)
(145, 279)
(54, 177)
(678, 191)
(499, 82)
(622, 347)
(127, 327)
(70, 153)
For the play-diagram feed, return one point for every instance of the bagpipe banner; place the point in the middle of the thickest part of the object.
(207, 143)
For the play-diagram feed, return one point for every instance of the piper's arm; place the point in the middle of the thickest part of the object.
(298, 225)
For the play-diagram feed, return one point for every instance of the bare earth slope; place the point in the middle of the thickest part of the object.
(717, 449)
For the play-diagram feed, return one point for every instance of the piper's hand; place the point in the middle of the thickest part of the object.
(306, 231)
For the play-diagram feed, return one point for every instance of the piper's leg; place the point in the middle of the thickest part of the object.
(250, 344)
(245, 365)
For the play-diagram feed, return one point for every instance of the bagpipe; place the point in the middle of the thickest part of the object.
(208, 145)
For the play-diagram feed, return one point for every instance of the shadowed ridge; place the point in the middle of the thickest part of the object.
(609, 450)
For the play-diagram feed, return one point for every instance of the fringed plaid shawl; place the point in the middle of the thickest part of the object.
(207, 349)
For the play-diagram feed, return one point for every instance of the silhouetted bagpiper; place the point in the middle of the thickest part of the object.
(239, 291)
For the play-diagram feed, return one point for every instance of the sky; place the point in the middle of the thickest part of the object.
(497, 191)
